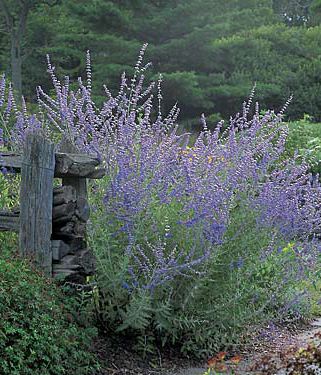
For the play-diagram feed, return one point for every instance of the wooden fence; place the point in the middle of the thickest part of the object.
(52, 221)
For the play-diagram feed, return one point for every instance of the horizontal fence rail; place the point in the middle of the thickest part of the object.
(66, 165)
(9, 221)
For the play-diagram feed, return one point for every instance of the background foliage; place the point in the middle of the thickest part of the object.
(211, 52)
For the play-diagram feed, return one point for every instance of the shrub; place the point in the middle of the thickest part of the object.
(191, 239)
(248, 280)
(37, 332)
(305, 139)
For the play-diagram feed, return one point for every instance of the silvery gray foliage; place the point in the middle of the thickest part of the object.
(147, 160)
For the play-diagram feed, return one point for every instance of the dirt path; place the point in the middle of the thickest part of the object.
(271, 357)
(267, 355)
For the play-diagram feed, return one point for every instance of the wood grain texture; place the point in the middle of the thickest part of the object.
(63, 194)
(77, 165)
(36, 200)
(59, 249)
(64, 212)
(66, 165)
(52, 221)
(9, 221)
(82, 210)
(10, 160)
(79, 184)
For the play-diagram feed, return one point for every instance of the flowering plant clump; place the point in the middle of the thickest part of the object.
(170, 210)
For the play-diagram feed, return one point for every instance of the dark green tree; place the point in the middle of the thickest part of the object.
(293, 12)
(15, 15)
(315, 11)
(211, 52)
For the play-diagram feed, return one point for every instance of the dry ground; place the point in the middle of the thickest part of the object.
(266, 355)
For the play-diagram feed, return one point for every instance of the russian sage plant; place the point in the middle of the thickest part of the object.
(166, 217)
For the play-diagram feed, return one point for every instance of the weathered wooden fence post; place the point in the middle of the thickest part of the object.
(80, 184)
(81, 258)
(36, 197)
(52, 221)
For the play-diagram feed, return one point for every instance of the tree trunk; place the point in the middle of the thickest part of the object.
(16, 27)
(16, 65)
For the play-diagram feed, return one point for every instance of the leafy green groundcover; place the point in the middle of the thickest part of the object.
(305, 139)
(37, 331)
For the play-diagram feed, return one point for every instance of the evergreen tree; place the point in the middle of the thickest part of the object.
(293, 12)
(15, 15)
(211, 52)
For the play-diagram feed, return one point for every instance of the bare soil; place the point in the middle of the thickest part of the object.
(268, 353)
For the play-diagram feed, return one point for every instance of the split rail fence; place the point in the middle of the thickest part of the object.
(51, 221)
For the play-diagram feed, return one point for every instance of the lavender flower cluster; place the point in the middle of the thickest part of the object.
(148, 161)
